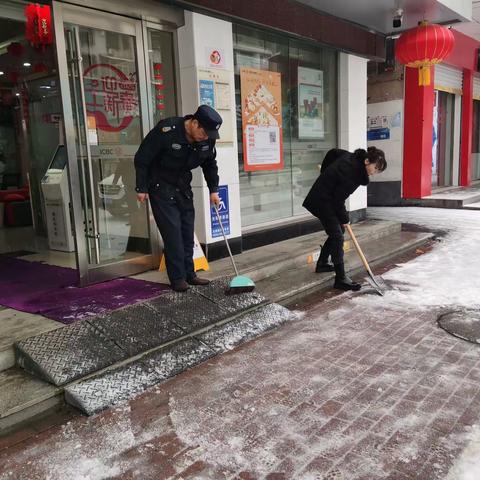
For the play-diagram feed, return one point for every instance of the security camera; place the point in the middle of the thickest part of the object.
(398, 18)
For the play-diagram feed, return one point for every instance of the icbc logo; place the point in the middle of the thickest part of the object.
(111, 96)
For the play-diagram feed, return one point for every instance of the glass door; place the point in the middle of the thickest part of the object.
(442, 165)
(102, 71)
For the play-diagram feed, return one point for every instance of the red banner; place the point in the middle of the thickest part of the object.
(39, 24)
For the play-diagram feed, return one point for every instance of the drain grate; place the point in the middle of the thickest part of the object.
(464, 324)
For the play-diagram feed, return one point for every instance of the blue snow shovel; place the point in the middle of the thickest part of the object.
(239, 283)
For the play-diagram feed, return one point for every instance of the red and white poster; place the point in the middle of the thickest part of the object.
(261, 93)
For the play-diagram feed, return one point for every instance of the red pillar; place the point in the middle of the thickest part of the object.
(417, 136)
(466, 129)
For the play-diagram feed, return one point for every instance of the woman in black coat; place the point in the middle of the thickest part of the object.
(341, 174)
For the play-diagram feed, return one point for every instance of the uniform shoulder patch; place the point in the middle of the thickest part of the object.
(166, 129)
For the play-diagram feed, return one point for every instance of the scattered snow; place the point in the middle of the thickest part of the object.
(445, 277)
(205, 422)
(467, 467)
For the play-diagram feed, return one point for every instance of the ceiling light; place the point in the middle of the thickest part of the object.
(2, 73)
(17, 94)
(26, 64)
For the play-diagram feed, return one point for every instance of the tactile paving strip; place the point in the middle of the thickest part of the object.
(464, 324)
(67, 353)
(93, 395)
(245, 327)
(137, 328)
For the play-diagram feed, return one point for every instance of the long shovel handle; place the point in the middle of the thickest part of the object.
(359, 250)
(226, 241)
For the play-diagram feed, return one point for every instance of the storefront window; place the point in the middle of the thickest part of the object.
(304, 78)
(475, 158)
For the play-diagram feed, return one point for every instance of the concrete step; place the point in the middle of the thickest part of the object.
(16, 326)
(285, 286)
(23, 396)
(472, 206)
(262, 262)
(454, 198)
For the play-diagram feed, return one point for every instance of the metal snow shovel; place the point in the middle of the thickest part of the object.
(377, 282)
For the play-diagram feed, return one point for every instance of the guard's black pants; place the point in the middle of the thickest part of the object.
(333, 246)
(175, 218)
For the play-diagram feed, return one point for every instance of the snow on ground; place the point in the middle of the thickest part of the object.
(445, 278)
(448, 276)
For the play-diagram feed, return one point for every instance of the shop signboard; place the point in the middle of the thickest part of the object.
(310, 104)
(261, 95)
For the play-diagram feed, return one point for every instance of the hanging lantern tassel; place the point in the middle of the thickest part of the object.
(424, 75)
(424, 46)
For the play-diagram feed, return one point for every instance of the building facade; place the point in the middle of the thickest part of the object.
(289, 81)
(430, 133)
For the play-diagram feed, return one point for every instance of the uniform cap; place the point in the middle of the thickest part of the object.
(209, 119)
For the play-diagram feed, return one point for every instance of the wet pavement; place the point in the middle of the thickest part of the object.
(356, 387)
(337, 394)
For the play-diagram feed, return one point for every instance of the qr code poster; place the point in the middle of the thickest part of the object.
(261, 119)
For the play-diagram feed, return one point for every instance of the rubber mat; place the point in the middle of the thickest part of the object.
(93, 395)
(464, 324)
(67, 353)
(121, 384)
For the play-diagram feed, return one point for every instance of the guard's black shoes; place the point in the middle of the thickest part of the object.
(346, 283)
(198, 281)
(324, 267)
(180, 286)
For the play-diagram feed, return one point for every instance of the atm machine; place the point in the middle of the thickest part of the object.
(56, 196)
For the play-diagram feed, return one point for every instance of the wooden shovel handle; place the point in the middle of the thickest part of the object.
(358, 249)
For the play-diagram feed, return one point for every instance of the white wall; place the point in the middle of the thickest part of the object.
(200, 33)
(460, 7)
(393, 147)
(353, 114)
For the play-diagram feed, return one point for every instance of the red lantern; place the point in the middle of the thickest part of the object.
(424, 46)
(39, 24)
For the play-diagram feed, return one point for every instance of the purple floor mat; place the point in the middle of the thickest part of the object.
(50, 291)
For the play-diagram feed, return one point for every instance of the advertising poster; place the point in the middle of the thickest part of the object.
(261, 93)
(378, 128)
(223, 212)
(310, 103)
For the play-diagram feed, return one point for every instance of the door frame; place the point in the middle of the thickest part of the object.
(67, 13)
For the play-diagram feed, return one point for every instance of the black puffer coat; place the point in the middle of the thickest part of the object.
(335, 184)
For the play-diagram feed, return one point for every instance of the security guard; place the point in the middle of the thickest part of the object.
(163, 165)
